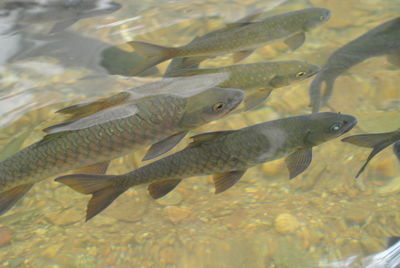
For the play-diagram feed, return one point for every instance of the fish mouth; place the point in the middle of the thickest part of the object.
(349, 126)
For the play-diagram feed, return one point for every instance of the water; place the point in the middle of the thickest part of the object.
(322, 216)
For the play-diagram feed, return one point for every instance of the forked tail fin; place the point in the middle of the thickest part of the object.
(101, 187)
(154, 54)
(377, 141)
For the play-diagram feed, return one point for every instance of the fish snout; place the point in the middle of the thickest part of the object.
(348, 123)
(326, 14)
(237, 98)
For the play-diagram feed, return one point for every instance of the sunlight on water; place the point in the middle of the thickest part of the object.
(322, 218)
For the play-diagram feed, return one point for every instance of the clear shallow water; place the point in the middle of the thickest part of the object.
(265, 220)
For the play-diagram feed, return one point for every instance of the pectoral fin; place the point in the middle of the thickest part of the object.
(396, 149)
(164, 146)
(378, 142)
(226, 180)
(394, 59)
(296, 41)
(98, 168)
(208, 136)
(256, 99)
(161, 188)
(241, 55)
(298, 161)
(10, 197)
(278, 81)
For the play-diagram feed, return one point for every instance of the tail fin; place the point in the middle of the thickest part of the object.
(317, 99)
(102, 188)
(377, 141)
(154, 54)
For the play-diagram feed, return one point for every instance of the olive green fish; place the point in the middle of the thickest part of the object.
(381, 40)
(226, 154)
(119, 126)
(194, 62)
(242, 38)
(263, 76)
(376, 141)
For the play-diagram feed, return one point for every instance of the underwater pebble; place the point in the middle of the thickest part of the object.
(51, 251)
(66, 217)
(286, 223)
(5, 236)
(391, 187)
(168, 255)
(176, 214)
(173, 198)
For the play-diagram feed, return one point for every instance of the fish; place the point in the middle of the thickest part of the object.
(258, 79)
(240, 39)
(95, 133)
(225, 154)
(80, 51)
(62, 13)
(376, 141)
(193, 62)
(379, 41)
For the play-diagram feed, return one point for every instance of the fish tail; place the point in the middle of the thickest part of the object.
(154, 54)
(101, 187)
(318, 99)
(377, 141)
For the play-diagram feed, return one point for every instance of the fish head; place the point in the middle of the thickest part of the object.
(313, 17)
(288, 72)
(211, 104)
(322, 127)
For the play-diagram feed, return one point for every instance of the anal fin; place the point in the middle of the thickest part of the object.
(10, 197)
(298, 161)
(224, 181)
(164, 146)
(161, 188)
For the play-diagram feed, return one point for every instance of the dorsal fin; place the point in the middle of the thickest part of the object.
(106, 109)
(78, 111)
(209, 136)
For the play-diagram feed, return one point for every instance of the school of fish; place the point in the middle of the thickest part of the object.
(160, 114)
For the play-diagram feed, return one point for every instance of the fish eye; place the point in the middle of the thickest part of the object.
(218, 106)
(300, 74)
(335, 127)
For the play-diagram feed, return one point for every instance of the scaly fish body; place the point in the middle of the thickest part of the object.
(228, 154)
(255, 34)
(155, 120)
(162, 121)
(382, 40)
(258, 79)
(243, 38)
(259, 75)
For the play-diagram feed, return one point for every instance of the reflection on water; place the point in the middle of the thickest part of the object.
(323, 217)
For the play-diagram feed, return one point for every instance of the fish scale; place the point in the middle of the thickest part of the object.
(60, 154)
(99, 131)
